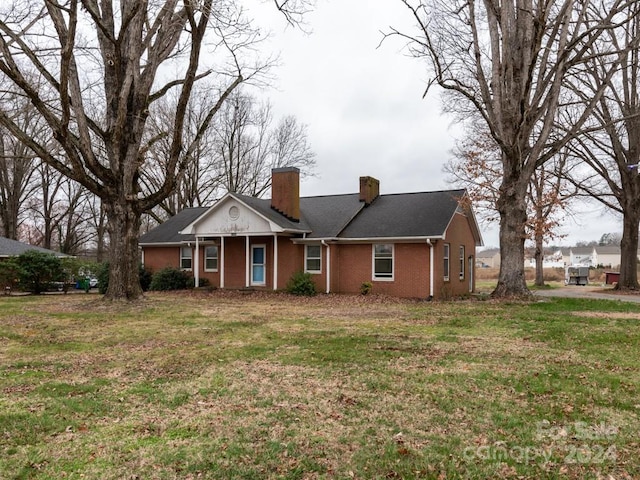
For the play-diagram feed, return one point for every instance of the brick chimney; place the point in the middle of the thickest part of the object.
(285, 192)
(369, 190)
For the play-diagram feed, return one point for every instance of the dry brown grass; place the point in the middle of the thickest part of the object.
(226, 385)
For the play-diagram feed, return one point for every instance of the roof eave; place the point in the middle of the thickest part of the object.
(396, 239)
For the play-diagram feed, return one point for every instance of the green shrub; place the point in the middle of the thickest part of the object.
(102, 274)
(9, 272)
(301, 284)
(170, 278)
(145, 278)
(38, 270)
(203, 282)
(365, 288)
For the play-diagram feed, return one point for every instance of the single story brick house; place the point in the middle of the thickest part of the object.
(414, 245)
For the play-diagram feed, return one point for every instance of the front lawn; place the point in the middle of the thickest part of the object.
(254, 386)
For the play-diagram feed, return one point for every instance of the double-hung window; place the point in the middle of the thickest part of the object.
(313, 259)
(383, 261)
(186, 258)
(461, 262)
(445, 256)
(211, 258)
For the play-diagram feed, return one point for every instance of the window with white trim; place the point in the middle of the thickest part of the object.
(383, 261)
(211, 258)
(186, 256)
(461, 262)
(445, 256)
(313, 258)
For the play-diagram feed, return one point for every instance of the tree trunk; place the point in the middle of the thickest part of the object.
(539, 257)
(511, 205)
(629, 251)
(123, 225)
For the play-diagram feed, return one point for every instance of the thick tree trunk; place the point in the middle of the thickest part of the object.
(539, 257)
(10, 221)
(629, 251)
(513, 215)
(123, 225)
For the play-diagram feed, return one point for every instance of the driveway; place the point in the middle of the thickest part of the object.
(587, 291)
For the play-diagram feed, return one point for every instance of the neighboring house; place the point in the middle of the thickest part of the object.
(13, 248)
(583, 256)
(489, 258)
(552, 258)
(415, 245)
(609, 256)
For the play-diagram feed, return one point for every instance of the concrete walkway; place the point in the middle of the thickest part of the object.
(587, 291)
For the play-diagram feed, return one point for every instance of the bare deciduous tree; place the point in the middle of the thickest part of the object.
(476, 166)
(17, 162)
(248, 146)
(58, 215)
(611, 144)
(507, 62)
(100, 68)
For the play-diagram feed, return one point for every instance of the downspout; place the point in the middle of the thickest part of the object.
(196, 271)
(247, 263)
(431, 260)
(221, 262)
(328, 289)
(275, 261)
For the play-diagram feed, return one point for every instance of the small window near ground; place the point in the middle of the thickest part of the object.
(313, 259)
(211, 258)
(461, 262)
(445, 257)
(185, 258)
(383, 262)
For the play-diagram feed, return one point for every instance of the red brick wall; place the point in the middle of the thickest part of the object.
(290, 260)
(157, 258)
(351, 264)
(213, 277)
(458, 233)
(411, 270)
(234, 262)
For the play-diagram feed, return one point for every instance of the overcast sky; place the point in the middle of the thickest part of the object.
(364, 109)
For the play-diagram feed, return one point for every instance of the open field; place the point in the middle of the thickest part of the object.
(225, 385)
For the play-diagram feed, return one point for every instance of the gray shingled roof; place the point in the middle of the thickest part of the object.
(11, 248)
(327, 216)
(263, 206)
(167, 232)
(425, 214)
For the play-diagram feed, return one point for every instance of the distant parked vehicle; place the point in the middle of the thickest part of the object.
(576, 276)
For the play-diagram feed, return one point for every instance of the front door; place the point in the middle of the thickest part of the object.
(258, 267)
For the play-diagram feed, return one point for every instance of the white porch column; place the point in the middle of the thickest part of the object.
(196, 270)
(275, 261)
(221, 262)
(248, 262)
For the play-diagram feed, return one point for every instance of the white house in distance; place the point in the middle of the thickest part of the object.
(607, 256)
